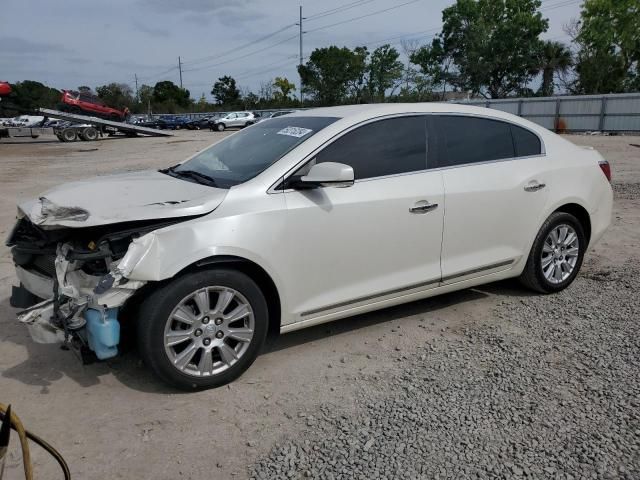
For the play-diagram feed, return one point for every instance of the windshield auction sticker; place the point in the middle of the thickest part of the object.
(295, 131)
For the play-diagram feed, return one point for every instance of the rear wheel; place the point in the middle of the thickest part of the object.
(69, 135)
(90, 134)
(556, 255)
(204, 329)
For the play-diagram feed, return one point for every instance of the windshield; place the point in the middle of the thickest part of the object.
(244, 155)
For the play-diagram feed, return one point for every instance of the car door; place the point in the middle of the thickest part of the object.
(232, 120)
(495, 179)
(377, 240)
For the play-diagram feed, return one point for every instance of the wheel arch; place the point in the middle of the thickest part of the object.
(581, 214)
(257, 273)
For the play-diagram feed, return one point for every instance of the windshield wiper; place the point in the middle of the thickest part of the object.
(201, 178)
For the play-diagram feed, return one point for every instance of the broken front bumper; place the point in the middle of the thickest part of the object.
(77, 306)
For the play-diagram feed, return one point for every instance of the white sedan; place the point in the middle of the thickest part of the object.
(307, 218)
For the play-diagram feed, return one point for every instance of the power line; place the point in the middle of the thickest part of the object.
(363, 16)
(241, 47)
(205, 67)
(333, 11)
(154, 76)
(269, 68)
(561, 4)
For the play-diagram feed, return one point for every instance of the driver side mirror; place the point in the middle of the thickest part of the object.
(327, 174)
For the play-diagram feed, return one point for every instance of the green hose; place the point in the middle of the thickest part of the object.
(23, 435)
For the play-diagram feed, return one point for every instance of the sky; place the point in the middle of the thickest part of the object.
(74, 42)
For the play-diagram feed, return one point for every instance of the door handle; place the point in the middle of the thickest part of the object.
(534, 186)
(423, 207)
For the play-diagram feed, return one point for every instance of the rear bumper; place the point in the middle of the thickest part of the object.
(601, 217)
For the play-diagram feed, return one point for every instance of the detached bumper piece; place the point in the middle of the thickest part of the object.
(99, 330)
(22, 298)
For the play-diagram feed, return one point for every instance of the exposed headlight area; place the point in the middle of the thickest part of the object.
(71, 281)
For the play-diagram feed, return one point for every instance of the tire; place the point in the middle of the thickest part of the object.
(220, 127)
(69, 135)
(34, 136)
(158, 322)
(89, 134)
(560, 266)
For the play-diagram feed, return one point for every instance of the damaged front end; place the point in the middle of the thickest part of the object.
(73, 281)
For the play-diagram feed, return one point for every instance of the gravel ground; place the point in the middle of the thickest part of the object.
(627, 190)
(550, 389)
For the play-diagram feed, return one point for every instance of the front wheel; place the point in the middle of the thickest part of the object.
(220, 127)
(556, 255)
(203, 329)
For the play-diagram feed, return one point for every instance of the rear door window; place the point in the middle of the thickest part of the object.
(385, 147)
(464, 140)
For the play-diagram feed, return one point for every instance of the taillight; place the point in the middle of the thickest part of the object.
(606, 169)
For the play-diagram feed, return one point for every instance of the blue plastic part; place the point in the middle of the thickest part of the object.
(103, 331)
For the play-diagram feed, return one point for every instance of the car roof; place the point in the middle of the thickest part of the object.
(359, 113)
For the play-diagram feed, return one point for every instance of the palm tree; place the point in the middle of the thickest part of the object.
(555, 57)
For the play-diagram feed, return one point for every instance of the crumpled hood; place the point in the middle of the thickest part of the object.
(145, 195)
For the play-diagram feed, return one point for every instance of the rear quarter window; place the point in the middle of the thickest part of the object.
(526, 143)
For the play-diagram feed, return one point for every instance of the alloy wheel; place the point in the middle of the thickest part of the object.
(560, 253)
(209, 331)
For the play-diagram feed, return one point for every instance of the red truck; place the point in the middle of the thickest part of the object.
(5, 89)
(85, 103)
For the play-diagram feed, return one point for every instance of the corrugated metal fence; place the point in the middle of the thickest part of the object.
(582, 113)
(579, 113)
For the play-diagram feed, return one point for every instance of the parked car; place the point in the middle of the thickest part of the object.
(234, 119)
(200, 123)
(281, 113)
(175, 122)
(158, 123)
(300, 220)
(88, 104)
(27, 121)
(267, 115)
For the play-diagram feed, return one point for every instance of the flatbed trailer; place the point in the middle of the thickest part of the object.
(90, 128)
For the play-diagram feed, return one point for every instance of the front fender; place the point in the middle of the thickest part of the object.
(163, 253)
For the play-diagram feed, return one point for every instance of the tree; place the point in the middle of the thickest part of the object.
(555, 58)
(266, 91)
(117, 95)
(27, 96)
(225, 91)
(145, 98)
(488, 47)
(330, 72)
(436, 65)
(608, 39)
(283, 88)
(250, 101)
(384, 71)
(171, 95)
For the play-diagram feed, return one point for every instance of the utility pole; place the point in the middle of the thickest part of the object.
(180, 68)
(301, 33)
(137, 91)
